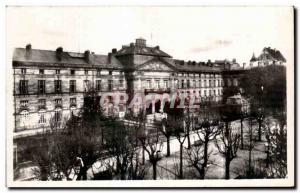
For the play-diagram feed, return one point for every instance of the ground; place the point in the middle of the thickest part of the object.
(168, 166)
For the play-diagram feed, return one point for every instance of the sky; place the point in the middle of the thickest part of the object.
(188, 33)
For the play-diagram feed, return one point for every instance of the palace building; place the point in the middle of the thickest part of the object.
(50, 85)
(268, 56)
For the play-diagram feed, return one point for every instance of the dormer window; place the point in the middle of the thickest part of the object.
(57, 71)
(72, 72)
(23, 71)
(41, 71)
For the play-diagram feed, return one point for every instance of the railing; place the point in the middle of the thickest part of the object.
(158, 90)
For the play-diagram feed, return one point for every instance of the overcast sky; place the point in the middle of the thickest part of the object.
(189, 33)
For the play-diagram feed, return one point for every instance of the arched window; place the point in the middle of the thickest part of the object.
(42, 116)
(24, 116)
(57, 115)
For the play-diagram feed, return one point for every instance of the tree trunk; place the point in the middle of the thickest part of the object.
(227, 167)
(181, 162)
(188, 140)
(227, 129)
(154, 170)
(259, 130)
(242, 135)
(143, 156)
(168, 146)
(82, 173)
(205, 152)
(249, 161)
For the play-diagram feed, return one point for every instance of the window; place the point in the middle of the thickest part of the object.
(204, 83)
(210, 83)
(57, 71)
(98, 72)
(24, 103)
(41, 71)
(41, 87)
(98, 85)
(121, 83)
(157, 84)
(73, 102)
(182, 83)
(110, 72)
(58, 102)
(176, 83)
(42, 119)
(57, 115)
(86, 84)
(209, 92)
(194, 83)
(205, 92)
(214, 92)
(24, 116)
(166, 84)
(72, 85)
(42, 103)
(188, 84)
(148, 84)
(57, 86)
(23, 86)
(86, 72)
(23, 70)
(110, 85)
(72, 72)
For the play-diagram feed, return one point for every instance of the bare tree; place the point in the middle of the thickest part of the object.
(209, 129)
(227, 145)
(276, 135)
(153, 145)
(51, 155)
(166, 127)
(251, 144)
(196, 159)
(181, 135)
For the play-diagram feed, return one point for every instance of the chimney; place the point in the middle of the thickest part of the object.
(59, 52)
(28, 47)
(157, 47)
(114, 51)
(244, 65)
(28, 51)
(87, 56)
(233, 60)
(109, 58)
(140, 42)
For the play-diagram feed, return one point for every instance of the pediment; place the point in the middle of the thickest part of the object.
(156, 65)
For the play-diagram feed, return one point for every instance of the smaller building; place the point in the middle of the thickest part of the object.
(268, 56)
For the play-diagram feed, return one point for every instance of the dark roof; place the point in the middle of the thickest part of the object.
(273, 54)
(253, 59)
(49, 58)
(142, 50)
(192, 66)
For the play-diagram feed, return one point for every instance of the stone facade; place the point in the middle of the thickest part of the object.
(51, 84)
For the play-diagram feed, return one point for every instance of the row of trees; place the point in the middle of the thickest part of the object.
(122, 146)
